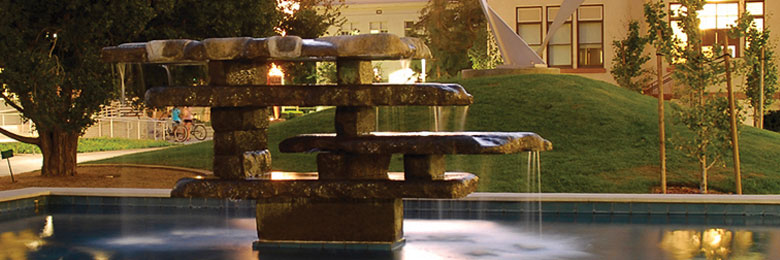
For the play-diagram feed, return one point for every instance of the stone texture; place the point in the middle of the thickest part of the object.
(423, 94)
(238, 142)
(418, 48)
(424, 167)
(247, 165)
(237, 73)
(239, 118)
(287, 47)
(125, 53)
(225, 48)
(354, 72)
(255, 48)
(257, 164)
(325, 220)
(361, 47)
(313, 48)
(354, 121)
(228, 167)
(166, 50)
(344, 166)
(372, 46)
(454, 185)
(419, 143)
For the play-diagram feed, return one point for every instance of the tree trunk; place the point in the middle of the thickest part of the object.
(703, 184)
(59, 152)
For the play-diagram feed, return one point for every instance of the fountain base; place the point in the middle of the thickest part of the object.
(341, 223)
(262, 245)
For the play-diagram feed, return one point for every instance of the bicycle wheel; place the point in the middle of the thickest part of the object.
(199, 132)
(179, 133)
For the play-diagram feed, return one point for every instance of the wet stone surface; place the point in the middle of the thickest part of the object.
(422, 94)
(419, 143)
(455, 185)
(363, 47)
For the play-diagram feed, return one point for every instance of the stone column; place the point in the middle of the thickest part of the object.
(353, 121)
(353, 222)
(240, 133)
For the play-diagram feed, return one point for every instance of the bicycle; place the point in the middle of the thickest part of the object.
(198, 131)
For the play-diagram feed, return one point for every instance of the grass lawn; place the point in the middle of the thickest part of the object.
(90, 145)
(604, 139)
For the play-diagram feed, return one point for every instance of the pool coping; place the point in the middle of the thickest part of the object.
(25, 193)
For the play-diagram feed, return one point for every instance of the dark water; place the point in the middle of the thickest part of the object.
(165, 233)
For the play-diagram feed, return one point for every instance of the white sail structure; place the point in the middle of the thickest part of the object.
(514, 50)
(567, 8)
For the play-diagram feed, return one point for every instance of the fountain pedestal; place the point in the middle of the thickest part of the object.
(353, 203)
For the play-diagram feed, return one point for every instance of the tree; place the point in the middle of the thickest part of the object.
(52, 72)
(450, 29)
(704, 114)
(629, 59)
(660, 35)
(309, 19)
(758, 49)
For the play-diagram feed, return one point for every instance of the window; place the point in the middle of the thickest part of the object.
(529, 25)
(590, 26)
(560, 48)
(408, 28)
(349, 29)
(715, 19)
(377, 27)
(756, 9)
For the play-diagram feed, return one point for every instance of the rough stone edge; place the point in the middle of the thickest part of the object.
(315, 49)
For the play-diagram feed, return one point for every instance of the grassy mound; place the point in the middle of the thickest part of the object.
(604, 139)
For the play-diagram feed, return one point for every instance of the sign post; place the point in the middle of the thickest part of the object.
(7, 154)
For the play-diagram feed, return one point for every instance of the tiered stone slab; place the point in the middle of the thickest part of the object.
(455, 185)
(419, 143)
(357, 47)
(423, 94)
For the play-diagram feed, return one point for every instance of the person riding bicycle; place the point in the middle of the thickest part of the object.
(175, 115)
(186, 114)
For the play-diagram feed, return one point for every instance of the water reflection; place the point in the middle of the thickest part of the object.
(713, 243)
(16, 244)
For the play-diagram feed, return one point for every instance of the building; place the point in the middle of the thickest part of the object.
(381, 16)
(583, 45)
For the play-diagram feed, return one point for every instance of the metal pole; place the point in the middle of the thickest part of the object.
(10, 170)
(733, 119)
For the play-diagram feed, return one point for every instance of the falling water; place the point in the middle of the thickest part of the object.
(533, 185)
(121, 69)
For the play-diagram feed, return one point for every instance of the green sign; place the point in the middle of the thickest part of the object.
(7, 154)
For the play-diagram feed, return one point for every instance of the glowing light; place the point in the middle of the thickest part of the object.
(48, 229)
(288, 7)
(199, 177)
(402, 76)
(275, 71)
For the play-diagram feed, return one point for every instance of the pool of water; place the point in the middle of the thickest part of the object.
(133, 232)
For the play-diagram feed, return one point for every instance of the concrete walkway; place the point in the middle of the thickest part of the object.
(22, 163)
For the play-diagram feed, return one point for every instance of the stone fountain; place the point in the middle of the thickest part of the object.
(353, 203)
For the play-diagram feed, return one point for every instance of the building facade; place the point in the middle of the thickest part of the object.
(583, 45)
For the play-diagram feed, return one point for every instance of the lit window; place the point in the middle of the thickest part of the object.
(529, 25)
(590, 37)
(408, 28)
(560, 48)
(715, 21)
(377, 27)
